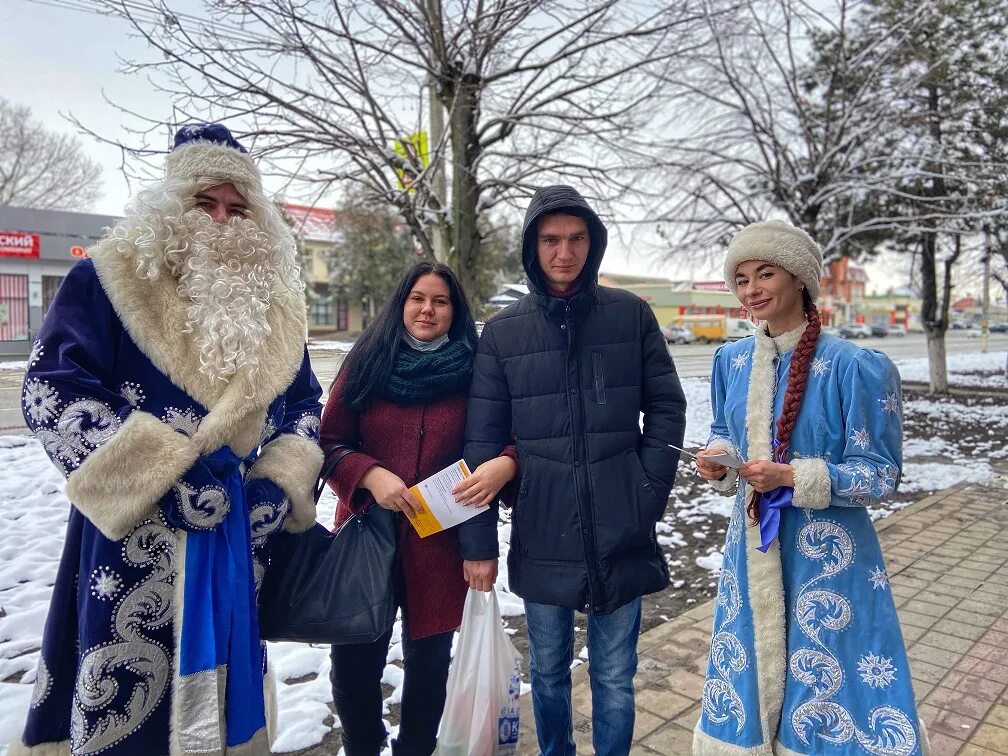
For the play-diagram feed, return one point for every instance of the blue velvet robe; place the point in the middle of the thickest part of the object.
(110, 671)
(806, 655)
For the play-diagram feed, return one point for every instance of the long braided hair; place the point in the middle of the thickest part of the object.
(801, 360)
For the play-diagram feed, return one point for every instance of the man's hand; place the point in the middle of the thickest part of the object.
(480, 575)
(709, 470)
(480, 488)
(763, 475)
(389, 491)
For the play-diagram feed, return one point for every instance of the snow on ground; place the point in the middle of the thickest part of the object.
(16, 366)
(315, 345)
(33, 511)
(973, 369)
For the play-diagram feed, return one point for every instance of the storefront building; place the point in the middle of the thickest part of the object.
(37, 249)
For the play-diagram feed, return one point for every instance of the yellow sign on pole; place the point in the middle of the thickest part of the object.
(414, 152)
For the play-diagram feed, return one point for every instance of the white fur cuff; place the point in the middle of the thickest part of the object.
(120, 484)
(293, 463)
(727, 483)
(812, 488)
(18, 748)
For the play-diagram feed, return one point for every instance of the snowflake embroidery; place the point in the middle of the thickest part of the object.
(41, 401)
(890, 403)
(132, 393)
(740, 361)
(861, 438)
(879, 578)
(877, 671)
(105, 584)
(184, 421)
(820, 365)
(36, 354)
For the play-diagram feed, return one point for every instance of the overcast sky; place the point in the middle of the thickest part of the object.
(60, 61)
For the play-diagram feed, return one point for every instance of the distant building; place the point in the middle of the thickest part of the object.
(37, 249)
(328, 312)
(842, 293)
(895, 307)
(508, 294)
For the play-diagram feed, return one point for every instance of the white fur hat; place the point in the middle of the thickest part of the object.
(208, 152)
(779, 243)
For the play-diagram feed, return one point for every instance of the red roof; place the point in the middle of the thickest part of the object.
(312, 223)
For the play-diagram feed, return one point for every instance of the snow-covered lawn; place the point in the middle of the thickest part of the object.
(973, 369)
(33, 511)
(333, 346)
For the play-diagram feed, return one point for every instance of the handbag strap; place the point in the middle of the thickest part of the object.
(334, 454)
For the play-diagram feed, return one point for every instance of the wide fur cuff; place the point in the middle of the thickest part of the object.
(727, 483)
(17, 748)
(293, 463)
(121, 483)
(812, 488)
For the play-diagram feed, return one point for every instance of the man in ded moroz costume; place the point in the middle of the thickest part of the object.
(171, 384)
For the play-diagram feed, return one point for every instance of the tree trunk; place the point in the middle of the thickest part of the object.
(933, 319)
(465, 188)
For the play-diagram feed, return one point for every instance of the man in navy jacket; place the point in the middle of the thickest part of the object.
(568, 370)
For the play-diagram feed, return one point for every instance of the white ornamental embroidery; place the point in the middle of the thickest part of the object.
(877, 671)
(132, 393)
(740, 361)
(41, 401)
(43, 683)
(105, 584)
(307, 426)
(36, 354)
(820, 365)
(890, 403)
(878, 578)
(205, 508)
(184, 421)
(861, 438)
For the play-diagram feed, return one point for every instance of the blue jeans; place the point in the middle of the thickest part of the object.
(612, 664)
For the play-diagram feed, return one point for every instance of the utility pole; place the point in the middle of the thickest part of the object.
(985, 324)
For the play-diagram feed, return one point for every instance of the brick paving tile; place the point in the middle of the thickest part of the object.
(959, 702)
(671, 739)
(690, 718)
(978, 605)
(942, 657)
(990, 653)
(958, 629)
(686, 683)
(989, 670)
(645, 723)
(943, 745)
(995, 638)
(949, 642)
(912, 633)
(664, 703)
(924, 606)
(916, 619)
(926, 671)
(950, 723)
(989, 736)
(970, 618)
(998, 716)
(979, 687)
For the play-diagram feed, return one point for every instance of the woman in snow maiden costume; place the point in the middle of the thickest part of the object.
(170, 383)
(806, 656)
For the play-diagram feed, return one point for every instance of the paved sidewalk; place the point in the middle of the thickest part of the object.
(947, 558)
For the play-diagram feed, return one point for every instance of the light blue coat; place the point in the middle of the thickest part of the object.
(807, 656)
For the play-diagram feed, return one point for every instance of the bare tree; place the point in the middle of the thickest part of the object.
(510, 93)
(41, 168)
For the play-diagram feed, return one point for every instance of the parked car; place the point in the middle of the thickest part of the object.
(855, 331)
(974, 332)
(715, 328)
(998, 328)
(877, 329)
(896, 330)
(678, 334)
(830, 330)
(959, 325)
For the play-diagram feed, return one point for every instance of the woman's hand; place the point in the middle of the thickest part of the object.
(389, 491)
(763, 475)
(482, 486)
(480, 575)
(709, 470)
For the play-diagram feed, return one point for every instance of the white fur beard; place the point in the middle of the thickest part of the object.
(224, 270)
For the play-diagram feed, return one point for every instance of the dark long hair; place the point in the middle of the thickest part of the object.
(370, 362)
(797, 381)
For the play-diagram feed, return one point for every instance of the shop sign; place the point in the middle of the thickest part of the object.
(77, 251)
(709, 286)
(18, 244)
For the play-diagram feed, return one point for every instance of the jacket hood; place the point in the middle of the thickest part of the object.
(561, 199)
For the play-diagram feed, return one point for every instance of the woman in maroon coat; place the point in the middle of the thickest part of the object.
(400, 400)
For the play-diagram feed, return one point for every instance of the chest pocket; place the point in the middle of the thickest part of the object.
(598, 378)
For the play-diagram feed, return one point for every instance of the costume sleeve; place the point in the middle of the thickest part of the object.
(487, 435)
(870, 467)
(290, 459)
(664, 406)
(340, 426)
(119, 461)
(720, 438)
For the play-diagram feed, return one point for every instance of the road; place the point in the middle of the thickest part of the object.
(691, 360)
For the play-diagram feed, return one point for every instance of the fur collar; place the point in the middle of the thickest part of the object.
(155, 318)
(784, 343)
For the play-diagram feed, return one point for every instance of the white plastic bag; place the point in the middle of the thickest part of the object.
(481, 710)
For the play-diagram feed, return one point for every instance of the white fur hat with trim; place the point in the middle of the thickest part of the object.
(207, 152)
(781, 244)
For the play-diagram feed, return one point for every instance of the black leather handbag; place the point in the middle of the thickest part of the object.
(335, 588)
